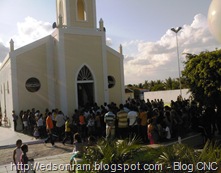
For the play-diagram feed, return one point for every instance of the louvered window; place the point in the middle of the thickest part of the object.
(85, 74)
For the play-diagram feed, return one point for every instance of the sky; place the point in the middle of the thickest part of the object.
(141, 26)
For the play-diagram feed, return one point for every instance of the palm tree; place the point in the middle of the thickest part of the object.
(169, 84)
(117, 152)
(130, 151)
(189, 156)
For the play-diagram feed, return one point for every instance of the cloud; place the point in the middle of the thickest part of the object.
(3, 52)
(159, 60)
(108, 41)
(31, 30)
(143, 60)
(28, 31)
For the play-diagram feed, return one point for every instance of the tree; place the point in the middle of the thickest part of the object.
(169, 84)
(203, 74)
(131, 151)
(187, 155)
(146, 85)
(158, 86)
(114, 152)
(140, 85)
(176, 84)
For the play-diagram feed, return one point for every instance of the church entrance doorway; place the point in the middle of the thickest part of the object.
(85, 94)
(85, 87)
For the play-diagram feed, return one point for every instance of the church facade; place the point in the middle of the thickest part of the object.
(68, 69)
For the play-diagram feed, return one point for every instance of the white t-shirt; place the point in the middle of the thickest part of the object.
(167, 129)
(60, 120)
(18, 154)
(132, 116)
(40, 122)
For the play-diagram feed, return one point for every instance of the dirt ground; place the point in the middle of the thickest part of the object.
(36, 151)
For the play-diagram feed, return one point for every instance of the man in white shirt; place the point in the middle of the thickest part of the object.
(60, 124)
(40, 125)
(132, 116)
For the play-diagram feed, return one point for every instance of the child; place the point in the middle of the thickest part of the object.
(36, 132)
(17, 154)
(78, 148)
(24, 159)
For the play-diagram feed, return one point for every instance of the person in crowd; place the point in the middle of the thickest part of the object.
(87, 114)
(150, 129)
(60, 125)
(98, 128)
(68, 132)
(75, 117)
(40, 125)
(17, 154)
(175, 121)
(49, 128)
(15, 119)
(54, 115)
(106, 106)
(153, 131)
(143, 124)
(167, 133)
(78, 148)
(133, 124)
(36, 133)
(82, 125)
(167, 118)
(122, 123)
(31, 121)
(91, 125)
(109, 119)
(25, 121)
(24, 160)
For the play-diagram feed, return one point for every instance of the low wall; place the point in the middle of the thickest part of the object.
(167, 96)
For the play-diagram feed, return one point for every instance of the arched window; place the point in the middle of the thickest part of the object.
(81, 10)
(85, 74)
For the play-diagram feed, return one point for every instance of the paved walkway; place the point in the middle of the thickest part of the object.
(57, 163)
(60, 163)
(8, 137)
(52, 164)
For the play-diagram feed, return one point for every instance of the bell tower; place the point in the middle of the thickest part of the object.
(76, 13)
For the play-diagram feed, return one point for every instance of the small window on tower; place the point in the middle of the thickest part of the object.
(81, 10)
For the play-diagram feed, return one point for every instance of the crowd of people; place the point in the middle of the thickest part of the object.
(152, 121)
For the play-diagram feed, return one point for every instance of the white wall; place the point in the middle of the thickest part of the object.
(167, 96)
(6, 89)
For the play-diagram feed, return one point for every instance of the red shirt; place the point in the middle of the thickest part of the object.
(81, 120)
(49, 123)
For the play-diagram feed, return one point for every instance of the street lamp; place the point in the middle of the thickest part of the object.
(176, 31)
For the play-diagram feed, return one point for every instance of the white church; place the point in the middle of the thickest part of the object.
(68, 69)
